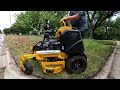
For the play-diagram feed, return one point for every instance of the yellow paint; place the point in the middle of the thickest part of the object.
(22, 66)
(62, 29)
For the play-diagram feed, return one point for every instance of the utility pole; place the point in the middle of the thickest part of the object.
(10, 17)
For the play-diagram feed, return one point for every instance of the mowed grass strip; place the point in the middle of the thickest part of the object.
(97, 54)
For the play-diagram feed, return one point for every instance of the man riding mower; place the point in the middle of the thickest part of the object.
(65, 51)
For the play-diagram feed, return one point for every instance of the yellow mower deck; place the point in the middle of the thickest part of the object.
(48, 67)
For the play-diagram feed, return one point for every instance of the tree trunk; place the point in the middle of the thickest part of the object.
(91, 32)
(106, 33)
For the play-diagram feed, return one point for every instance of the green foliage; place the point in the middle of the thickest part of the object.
(35, 21)
(114, 29)
(6, 31)
(99, 33)
(108, 30)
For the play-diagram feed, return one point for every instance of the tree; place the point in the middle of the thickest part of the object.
(110, 29)
(96, 18)
(0, 31)
(99, 33)
(114, 30)
(35, 20)
(107, 24)
(6, 31)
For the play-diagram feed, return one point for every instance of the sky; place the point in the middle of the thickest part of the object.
(6, 22)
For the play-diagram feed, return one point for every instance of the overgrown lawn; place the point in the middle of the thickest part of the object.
(96, 51)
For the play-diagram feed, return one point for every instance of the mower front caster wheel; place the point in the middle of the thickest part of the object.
(29, 68)
(76, 64)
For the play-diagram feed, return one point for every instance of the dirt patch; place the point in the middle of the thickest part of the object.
(2, 70)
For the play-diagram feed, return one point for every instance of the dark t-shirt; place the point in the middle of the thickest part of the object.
(81, 23)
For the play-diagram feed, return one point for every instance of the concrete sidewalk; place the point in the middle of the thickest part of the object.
(12, 70)
(115, 70)
(3, 63)
(8, 67)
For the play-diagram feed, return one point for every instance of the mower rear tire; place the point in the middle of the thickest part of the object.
(76, 64)
(29, 68)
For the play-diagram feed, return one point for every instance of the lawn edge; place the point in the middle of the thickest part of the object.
(103, 73)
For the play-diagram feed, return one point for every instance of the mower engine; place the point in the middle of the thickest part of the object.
(47, 44)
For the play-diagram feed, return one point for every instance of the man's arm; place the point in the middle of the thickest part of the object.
(70, 18)
(76, 16)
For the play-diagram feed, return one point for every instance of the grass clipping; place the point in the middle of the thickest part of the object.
(97, 54)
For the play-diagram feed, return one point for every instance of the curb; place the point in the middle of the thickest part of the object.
(104, 73)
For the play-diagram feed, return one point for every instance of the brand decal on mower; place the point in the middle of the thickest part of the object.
(49, 71)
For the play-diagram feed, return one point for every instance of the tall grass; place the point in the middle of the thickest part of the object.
(20, 44)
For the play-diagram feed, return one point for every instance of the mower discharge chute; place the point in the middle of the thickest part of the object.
(66, 51)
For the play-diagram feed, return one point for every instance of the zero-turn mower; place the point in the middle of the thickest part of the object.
(65, 51)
